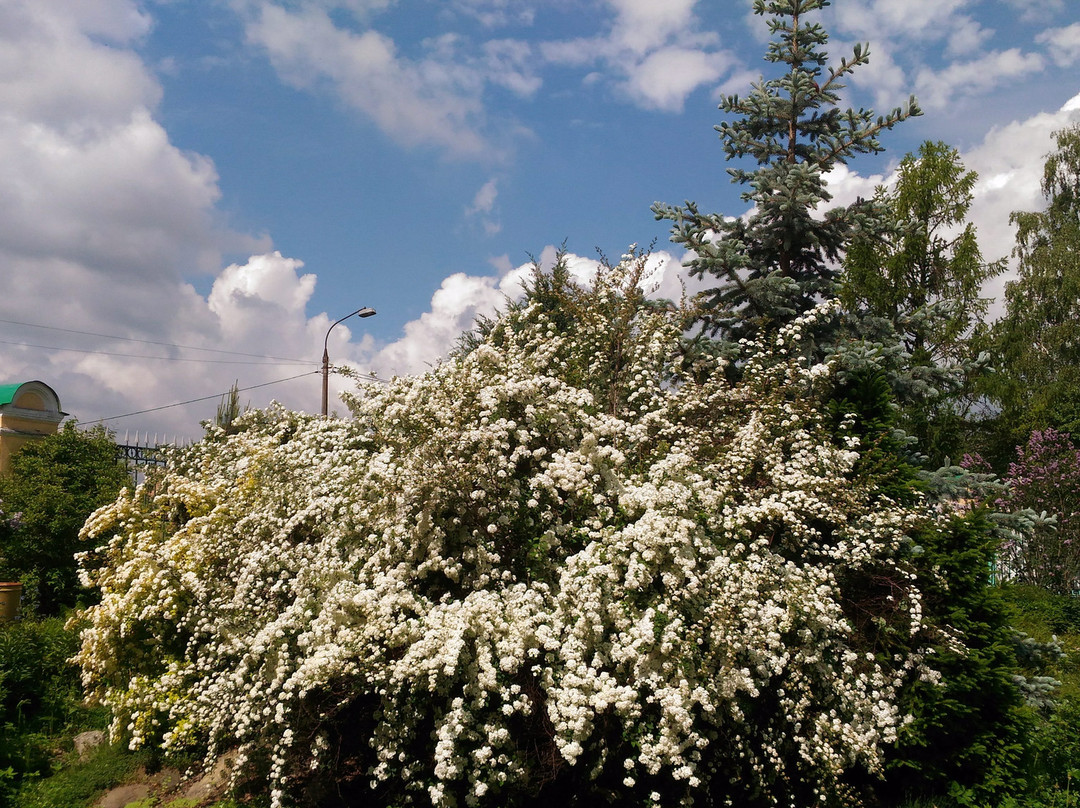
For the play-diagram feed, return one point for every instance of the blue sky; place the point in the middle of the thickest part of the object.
(234, 175)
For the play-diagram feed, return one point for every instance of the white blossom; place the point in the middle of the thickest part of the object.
(531, 560)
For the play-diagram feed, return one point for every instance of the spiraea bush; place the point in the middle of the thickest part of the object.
(568, 563)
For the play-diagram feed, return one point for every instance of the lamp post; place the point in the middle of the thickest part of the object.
(364, 312)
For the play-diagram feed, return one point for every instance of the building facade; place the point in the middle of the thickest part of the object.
(28, 410)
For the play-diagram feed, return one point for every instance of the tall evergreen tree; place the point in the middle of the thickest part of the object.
(781, 260)
(778, 261)
(1038, 339)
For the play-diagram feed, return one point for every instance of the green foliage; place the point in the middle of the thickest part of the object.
(1054, 744)
(55, 483)
(39, 694)
(1042, 613)
(969, 722)
(778, 261)
(968, 736)
(924, 276)
(229, 409)
(1038, 339)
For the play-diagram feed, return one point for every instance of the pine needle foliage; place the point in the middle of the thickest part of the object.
(779, 260)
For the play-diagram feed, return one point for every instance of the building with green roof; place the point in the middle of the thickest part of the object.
(28, 410)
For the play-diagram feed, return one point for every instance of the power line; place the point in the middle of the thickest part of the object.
(162, 358)
(204, 398)
(144, 341)
(368, 376)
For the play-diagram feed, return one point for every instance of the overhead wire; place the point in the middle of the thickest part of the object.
(203, 398)
(276, 361)
(368, 376)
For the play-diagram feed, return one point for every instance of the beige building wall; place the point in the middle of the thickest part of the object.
(28, 410)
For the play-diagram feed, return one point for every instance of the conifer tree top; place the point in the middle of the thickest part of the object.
(783, 258)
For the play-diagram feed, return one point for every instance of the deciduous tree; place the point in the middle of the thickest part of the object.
(1037, 342)
(55, 483)
(926, 273)
(924, 276)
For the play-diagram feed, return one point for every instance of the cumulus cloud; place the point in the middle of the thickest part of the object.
(103, 220)
(937, 88)
(664, 78)
(641, 26)
(83, 84)
(908, 39)
(1009, 162)
(848, 186)
(655, 54)
(1063, 44)
(462, 298)
(435, 98)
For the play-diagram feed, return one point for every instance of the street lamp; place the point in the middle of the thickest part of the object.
(364, 312)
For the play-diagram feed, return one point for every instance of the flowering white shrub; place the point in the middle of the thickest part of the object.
(567, 562)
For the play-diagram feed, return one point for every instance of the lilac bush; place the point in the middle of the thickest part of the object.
(1045, 477)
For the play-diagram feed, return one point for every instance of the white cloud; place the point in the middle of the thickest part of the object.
(655, 53)
(665, 78)
(882, 20)
(1063, 43)
(260, 295)
(508, 63)
(1037, 9)
(1009, 162)
(484, 200)
(497, 13)
(461, 298)
(102, 219)
(365, 69)
(454, 308)
(937, 88)
(847, 186)
(907, 40)
(483, 206)
(118, 198)
(642, 26)
(967, 36)
(82, 84)
(435, 99)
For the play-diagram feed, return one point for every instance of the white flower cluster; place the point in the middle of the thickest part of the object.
(559, 557)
